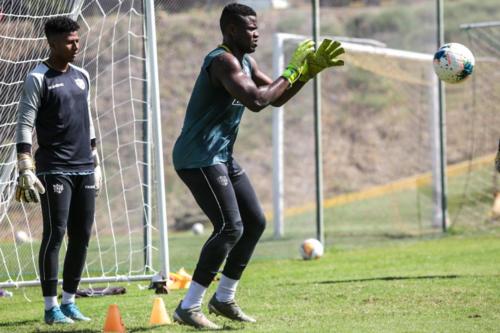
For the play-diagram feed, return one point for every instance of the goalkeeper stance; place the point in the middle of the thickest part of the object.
(55, 100)
(229, 81)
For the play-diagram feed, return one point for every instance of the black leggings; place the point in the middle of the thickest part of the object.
(224, 193)
(68, 203)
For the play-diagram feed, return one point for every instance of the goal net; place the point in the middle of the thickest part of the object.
(112, 42)
(379, 134)
(474, 130)
(380, 145)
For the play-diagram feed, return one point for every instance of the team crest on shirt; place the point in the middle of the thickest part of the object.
(80, 83)
(222, 180)
(58, 188)
(237, 103)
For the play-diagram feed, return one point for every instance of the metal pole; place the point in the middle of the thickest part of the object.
(76, 9)
(146, 187)
(154, 101)
(442, 119)
(317, 134)
(278, 64)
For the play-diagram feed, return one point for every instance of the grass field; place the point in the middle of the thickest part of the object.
(448, 284)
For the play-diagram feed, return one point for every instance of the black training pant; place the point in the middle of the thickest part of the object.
(68, 204)
(225, 194)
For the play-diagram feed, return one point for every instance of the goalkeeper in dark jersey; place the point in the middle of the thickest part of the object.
(55, 101)
(229, 81)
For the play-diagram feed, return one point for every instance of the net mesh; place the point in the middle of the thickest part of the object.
(473, 133)
(112, 51)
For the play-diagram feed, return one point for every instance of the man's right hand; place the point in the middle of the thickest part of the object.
(324, 57)
(29, 187)
(296, 64)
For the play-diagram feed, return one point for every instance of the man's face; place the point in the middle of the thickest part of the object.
(65, 46)
(247, 34)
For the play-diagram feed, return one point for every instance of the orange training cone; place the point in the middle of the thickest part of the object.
(114, 323)
(159, 314)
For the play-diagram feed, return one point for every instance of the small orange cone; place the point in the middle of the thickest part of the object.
(114, 323)
(159, 314)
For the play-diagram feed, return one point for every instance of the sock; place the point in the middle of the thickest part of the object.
(67, 298)
(194, 296)
(50, 302)
(226, 290)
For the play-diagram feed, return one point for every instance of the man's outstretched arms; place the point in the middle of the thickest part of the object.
(258, 91)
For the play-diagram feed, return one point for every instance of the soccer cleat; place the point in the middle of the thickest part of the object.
(229, 310)
(193, 317)
(70, 310)
(55, 316)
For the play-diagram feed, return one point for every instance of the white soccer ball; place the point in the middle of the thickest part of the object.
(311, 249)
(22, 237)
(453, 62)
(198, 228)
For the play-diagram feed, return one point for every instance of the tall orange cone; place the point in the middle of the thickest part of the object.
(159, 314)
(114, 323)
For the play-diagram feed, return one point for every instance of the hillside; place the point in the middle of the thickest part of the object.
(375, 130)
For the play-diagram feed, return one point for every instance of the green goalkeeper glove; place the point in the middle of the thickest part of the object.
(29, 187)
(296, 64)
(324, 57)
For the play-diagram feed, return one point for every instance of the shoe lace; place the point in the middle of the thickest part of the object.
(73, 309)
(57, 314)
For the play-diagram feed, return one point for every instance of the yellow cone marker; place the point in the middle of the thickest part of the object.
(159, 314)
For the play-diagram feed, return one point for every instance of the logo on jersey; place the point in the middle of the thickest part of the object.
(58, 188)
(80, 83)
(222, 180)
(90, 187)
(56, 85)
(237, 103)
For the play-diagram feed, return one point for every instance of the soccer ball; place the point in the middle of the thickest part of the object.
(311, 249)
(197, 228)
(22, 237)
(453, 63)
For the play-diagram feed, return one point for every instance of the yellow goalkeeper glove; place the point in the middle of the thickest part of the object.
(28, 187)
(296, 64)
(326, 56)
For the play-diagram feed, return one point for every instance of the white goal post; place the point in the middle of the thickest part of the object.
(118, 49)
(369, 48)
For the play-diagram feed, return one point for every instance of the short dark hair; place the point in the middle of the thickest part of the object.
(233, 13)
(60, 25)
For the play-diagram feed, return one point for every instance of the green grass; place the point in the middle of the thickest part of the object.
(398, 217)
(450, 284)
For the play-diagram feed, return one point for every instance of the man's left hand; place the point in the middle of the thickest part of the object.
(325, 56)
(97, 173)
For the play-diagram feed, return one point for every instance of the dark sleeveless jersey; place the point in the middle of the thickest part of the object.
(57, 105)
(211, 122)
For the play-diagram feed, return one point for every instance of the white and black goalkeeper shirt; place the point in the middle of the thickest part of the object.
(57, 104)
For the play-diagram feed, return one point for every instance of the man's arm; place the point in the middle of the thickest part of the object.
(93, 143)
(29, 187)
(26, 112)
(226, 70)
(260, 79)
